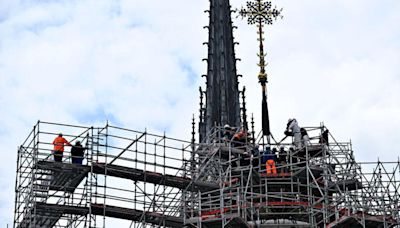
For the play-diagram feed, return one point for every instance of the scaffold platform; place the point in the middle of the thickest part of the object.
(63, 176)
(152, 177)
(47, 215)
(67, 176)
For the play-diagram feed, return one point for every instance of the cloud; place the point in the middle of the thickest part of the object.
(138, 65)
(88, 62)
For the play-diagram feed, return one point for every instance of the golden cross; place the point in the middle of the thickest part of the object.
(260, 12)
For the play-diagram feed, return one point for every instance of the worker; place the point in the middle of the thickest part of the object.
(269, 160)
(240, 138)
(245, 159)
(77, 152)
(325, 137)
(282, 159)
(255, 155)
(304, 137)
(59, 143)
(293, 129)
(227, 132)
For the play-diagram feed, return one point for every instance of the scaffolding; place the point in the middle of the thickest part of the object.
(317, 185)
(126, 174)
(156, 181)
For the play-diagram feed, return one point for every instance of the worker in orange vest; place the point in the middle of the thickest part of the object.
(59, 143)
(240, 138)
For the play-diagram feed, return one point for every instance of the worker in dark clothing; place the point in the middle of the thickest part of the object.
(77, 153)
(324, 137)
(228, 133)
(245, 159)
(256, 155)
(282, 159)
(59, 143)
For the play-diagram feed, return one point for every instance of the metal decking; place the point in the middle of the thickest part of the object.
(63, 176)
(47, 215)
(66, 176)
(152, 177)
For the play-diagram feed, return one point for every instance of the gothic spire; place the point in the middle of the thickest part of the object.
(222, 95)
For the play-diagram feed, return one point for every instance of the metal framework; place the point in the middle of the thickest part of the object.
(317, 185)
(153, 180)
(137, 176)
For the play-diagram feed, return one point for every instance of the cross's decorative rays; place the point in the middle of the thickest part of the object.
(260, 12)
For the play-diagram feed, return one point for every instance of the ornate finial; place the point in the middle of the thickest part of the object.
(260, 12)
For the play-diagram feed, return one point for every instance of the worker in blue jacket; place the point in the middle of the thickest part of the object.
(269, 159)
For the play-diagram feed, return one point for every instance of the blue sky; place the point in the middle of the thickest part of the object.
(138, 64)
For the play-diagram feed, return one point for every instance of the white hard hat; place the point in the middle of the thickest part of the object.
(227, 126)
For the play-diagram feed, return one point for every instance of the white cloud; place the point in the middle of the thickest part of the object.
(84, 62)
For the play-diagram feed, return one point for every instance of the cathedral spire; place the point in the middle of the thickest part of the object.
(222, 95)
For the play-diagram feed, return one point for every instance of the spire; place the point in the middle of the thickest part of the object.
(222, 95)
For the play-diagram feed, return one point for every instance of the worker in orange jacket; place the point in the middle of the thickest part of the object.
(59, 143)
(240, 138)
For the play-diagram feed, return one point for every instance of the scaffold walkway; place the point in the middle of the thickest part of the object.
(69, 176)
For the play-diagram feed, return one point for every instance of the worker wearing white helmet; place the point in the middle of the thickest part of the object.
(294, 129)
(228, 133)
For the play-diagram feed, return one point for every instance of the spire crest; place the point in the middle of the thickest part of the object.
(261, 12)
